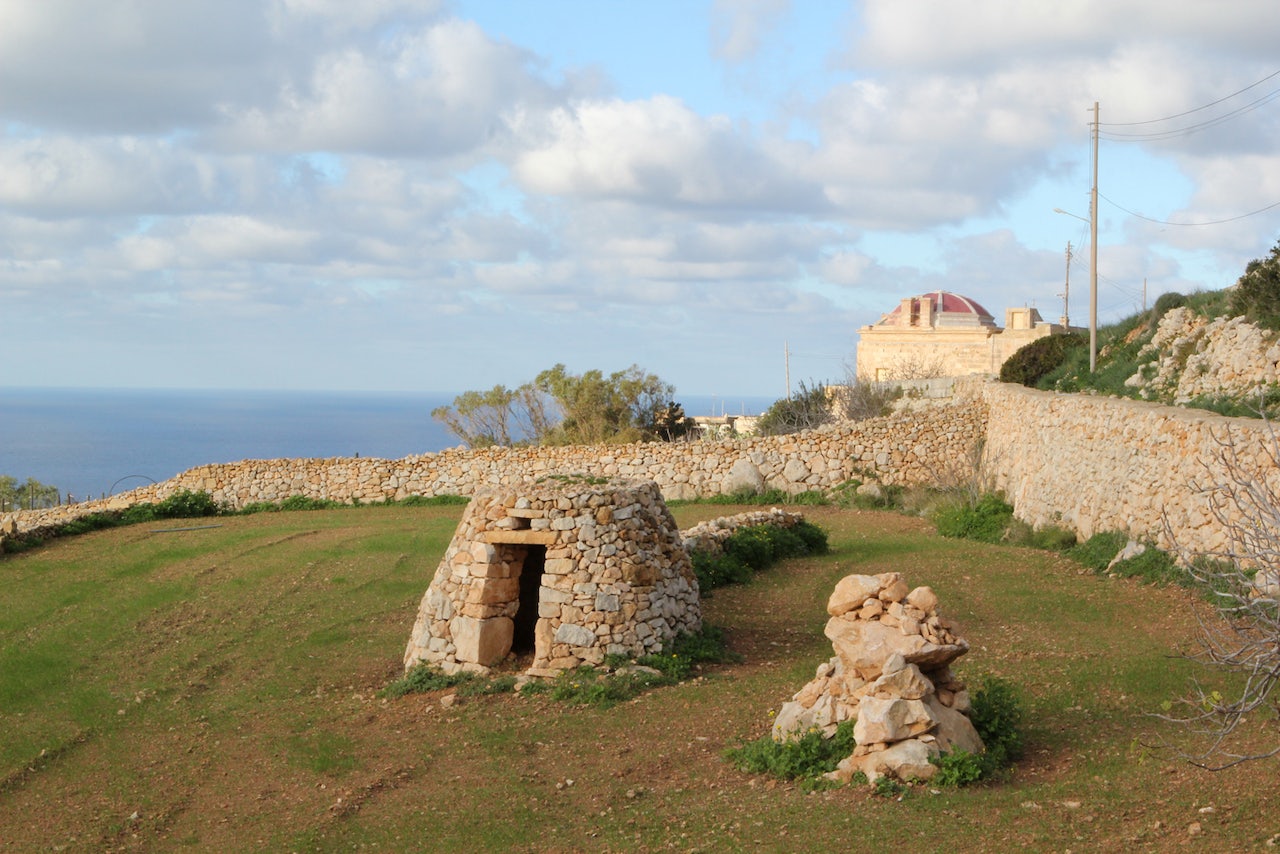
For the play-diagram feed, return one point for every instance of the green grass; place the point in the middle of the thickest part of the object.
(224, 685)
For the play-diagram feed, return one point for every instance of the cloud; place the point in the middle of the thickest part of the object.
(739, 27)
(656, 152)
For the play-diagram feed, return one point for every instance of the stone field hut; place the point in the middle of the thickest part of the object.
(568, 569)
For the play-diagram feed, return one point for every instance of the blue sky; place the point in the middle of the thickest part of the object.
(427, 195)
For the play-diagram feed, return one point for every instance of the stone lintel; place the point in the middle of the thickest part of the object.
(545, 538)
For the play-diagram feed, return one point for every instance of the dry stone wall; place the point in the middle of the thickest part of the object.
(1096, 464)
(1078, 461)
(900, 449)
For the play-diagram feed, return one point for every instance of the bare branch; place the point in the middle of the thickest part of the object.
(1240, 637)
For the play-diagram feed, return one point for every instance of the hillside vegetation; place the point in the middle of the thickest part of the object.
(1216, 350)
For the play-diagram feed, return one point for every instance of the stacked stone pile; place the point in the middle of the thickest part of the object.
(891, 675)
(709, 536)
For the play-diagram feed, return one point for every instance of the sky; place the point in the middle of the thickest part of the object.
(435, 196)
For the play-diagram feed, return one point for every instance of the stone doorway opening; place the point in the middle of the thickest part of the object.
(526, 616)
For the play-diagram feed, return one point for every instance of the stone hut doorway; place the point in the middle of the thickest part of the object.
(566, 571)
(526, 616)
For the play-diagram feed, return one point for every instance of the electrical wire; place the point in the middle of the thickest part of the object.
(1190, 129)
(1197, 109)
(1211, 222)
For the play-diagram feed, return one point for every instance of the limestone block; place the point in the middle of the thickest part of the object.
(795, 471)
(893, 588)
(954, 730)
(850, 592)
(574, 635)
(482, 641)
(923, 598)
(863, 646)
(906, 682)
(890, 720)
(906, 760)
(743, 475)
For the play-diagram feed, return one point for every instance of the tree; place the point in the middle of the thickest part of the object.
(29, 495)
(808, 408)
(1242, 578)
(1256, 294)
(560, 408)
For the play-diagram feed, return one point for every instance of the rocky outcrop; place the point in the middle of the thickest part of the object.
(1191, 356)
(891, 675)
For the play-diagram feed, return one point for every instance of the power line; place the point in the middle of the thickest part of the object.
(1197, 109)
(1195, 128)
(1211, 222)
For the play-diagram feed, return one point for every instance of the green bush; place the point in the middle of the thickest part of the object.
(1032, 362)
(996, 713)
(753, 549)
(1163, 305)
(717, 570)
(1048, 538)
(769, 497)
(807, 757)
(1099, 550)
(1152, 566)
(1256, 295)
(985, 521)
(589, 686)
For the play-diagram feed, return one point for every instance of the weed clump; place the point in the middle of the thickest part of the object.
(807, 758)
(985, 521)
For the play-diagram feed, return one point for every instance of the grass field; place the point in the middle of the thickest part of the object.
(216, 688)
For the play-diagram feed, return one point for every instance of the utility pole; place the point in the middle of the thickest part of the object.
(1066, 292)
(786, 363)
(1093, 252)
(1144, 293)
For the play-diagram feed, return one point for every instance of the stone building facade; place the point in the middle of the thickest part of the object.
(944, 334)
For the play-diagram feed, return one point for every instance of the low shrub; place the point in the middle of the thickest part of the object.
(1033, 362)
(996, 713)
(433, 500)
(985, 521)
(1154, 567)
(718, 570)
(753, 549)
(1048, 538)
(764, 498)
(625, 679)
(423, 678)
(1098, 551)
(808, 757)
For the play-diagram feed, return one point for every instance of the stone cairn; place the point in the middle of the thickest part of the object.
(891, 675)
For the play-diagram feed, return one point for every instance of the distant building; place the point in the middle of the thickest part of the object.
(944, 334)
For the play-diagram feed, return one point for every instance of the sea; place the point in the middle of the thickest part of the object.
(91, 443)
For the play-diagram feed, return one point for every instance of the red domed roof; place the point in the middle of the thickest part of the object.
(947, 309)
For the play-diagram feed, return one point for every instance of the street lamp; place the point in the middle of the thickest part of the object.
(1093, 278)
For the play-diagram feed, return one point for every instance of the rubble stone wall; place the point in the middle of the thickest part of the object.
(900, 449)
(1095, 464)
